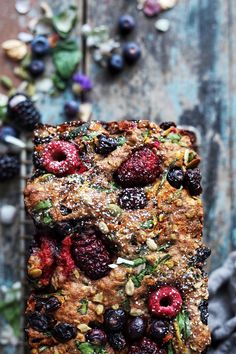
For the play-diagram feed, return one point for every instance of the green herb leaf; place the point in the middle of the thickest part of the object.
(6, 82)
(82, 129)
(174, 137)
(85, 348)
(47, 220)
(65, 21)
(90, 136)
(43, 204)
(58, 82)
(170, 349)
(121, 140)
(148, 224)
(139, 261)
(184, 324)
(84, 307)
(66, 57)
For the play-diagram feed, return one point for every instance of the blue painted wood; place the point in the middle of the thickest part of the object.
(185, 75)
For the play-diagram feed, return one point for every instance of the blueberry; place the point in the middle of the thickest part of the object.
(203, 308)
(63, 332)
(192, 181)
(131, 52)
(38, 321)
(115, 63)
(114, 320)
(36, 67)
(71, 109)
(158, 330)
(117, 341)
(133, 198)
(126, 24)
(40, 303)
(52, 304)
(136, 327)
(175, 177)
(105, 145)
(200, 256)
(7, 130)
(96, 337)
(167, 125)
(40, 46)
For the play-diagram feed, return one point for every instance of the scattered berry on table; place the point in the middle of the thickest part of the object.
(126, 24)
(52, 304)
(175, 177)
(38, 321)
(141, 168)
(132, 198)
(115, 63)
(36, 67)
(71, 109)
(203, 308)
(167, 125)
(114, 320)
(165, 302)
(60, 158)
(151, 8)
(105, 145)
(158, 330)
(9, 167)
(83, 81)
(136, 328)
(6, 131)
(90, 255)
(192, 181)
(96, 337)
(40, 45)
(145, 346)
(64, 332)
(131, 52)
(22, 112)
(117, 340)
(7, 214)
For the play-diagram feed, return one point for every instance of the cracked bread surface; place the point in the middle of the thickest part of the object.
(112, 228)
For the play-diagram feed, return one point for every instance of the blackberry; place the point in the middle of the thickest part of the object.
(192, 181)
(133, 198)
(22, 111)
(64, 332)
(175, 177)
(167, 125)
(105, 145)
(145, 346)
(200, 257)
(203, 308)
(117, 340)
(9, 167)
(90, 255)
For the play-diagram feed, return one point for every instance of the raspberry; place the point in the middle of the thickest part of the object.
(64, 259)
(165, 302)
(192, 181)
(145, 346)
(90, 255)
(132, 198)
(141, 168)
(23, 112)
(60, 158)
(9, 167)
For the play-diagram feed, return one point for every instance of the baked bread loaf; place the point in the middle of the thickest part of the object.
(116, 263)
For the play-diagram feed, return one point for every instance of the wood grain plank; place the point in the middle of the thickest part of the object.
(183, 76)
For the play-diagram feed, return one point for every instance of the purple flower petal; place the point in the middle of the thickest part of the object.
(151, 8)
(84, 81)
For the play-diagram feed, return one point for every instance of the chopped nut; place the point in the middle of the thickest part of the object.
(114, 209)
(167, 4)
(99, 309)
(103, 227)
(151, 244)
(115, 307)
(35, 273)
(136, 312)
(198, 285)
(179, 202)
(161, 217)
(15, 49)
(190, 214)
(76, 273)
(129, 287)
(98, 297)
(83, 328)
(173, 236)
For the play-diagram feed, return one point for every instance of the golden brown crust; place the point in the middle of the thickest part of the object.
(175, 227)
